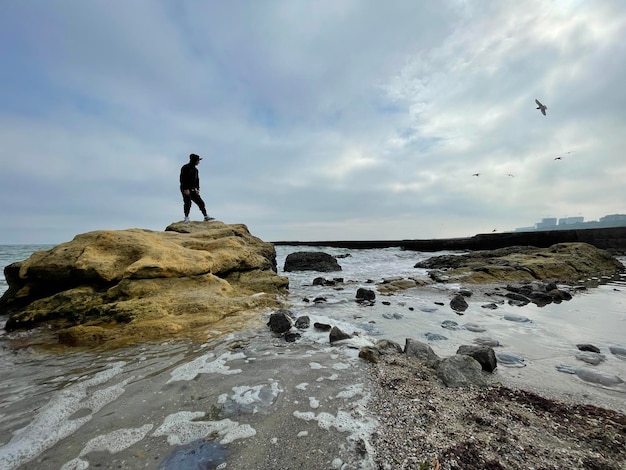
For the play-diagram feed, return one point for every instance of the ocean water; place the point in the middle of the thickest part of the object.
(250, 400)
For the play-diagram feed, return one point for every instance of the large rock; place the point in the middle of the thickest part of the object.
(460, 370)
(564, 262)
(311, 261)
(133, 285)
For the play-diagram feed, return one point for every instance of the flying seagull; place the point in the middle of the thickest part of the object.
(558, 158)
(476, 174)
(511, 175)
(541, 107)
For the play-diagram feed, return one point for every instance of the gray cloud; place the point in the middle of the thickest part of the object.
(317, 120)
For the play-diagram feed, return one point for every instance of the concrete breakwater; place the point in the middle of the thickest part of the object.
(613, 239)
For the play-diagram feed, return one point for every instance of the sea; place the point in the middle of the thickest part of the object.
(250, 399)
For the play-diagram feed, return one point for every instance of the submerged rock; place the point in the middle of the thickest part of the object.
(510, 360)
(618, 351)
(196, 455)
(598, 377)
(590, 357)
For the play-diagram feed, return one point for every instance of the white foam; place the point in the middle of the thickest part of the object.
(117, 440)
(112, 442)
(314, 403)
(332, 377)
(360, 426)
(303, 433)
(351, 391)
(256, 395)
(203, 365)
(341, 366)
(302, 386)
(76, 464)
(182, 428)
(53, 423)
(316, 365)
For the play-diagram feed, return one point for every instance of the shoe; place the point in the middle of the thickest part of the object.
(186, 221)
(208, 219)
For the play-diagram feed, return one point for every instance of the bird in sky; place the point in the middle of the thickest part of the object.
(562, 156)
(476, 174)
(541, 107)
(511, 175)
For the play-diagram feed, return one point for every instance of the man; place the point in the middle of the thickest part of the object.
(190, 187)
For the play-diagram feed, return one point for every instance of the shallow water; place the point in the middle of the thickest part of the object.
(548, 339)
(250, 400)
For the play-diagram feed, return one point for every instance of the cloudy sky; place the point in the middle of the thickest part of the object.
(325, 120)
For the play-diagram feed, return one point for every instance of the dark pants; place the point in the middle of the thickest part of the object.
(195, 197)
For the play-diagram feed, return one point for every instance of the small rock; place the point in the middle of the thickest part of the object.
(292, 336)
(365, 294)
(337, 334)
(303, 322)
(588, 347)
(280, 322)
(322, 326)
(369, 354)
(458, 304)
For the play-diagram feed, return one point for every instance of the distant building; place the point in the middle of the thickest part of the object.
(575, 223)
(614, 218)
(571, 220)
(548, 222)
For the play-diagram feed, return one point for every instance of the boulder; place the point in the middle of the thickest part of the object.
(566, 262)
(460, 370)
(120, 286)
(311, 261)
(421, 351)
(483, 354)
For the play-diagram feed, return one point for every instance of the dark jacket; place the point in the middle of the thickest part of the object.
(189, 178)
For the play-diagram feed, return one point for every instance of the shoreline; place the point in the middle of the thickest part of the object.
(424, 424)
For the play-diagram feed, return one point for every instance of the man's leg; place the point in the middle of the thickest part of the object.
(186, 204)
(195, 197)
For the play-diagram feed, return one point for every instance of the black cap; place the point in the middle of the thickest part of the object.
(194, 158)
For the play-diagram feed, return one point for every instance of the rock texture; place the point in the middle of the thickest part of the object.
(564, 262)
(133, 285)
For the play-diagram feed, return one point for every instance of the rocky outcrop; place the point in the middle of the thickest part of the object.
(134, 285)
(565, 262)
